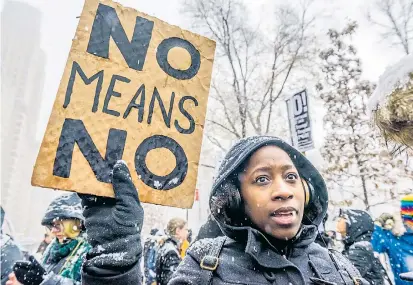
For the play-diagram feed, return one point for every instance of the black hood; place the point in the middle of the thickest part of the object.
(220, 200)
(64, 207)
(360, 226)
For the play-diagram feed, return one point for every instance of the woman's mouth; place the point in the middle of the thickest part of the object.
(284, 216)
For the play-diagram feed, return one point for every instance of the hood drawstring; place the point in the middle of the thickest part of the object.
(270, 276)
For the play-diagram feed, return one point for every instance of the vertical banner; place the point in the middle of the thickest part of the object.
(134, 88)
(299, 121)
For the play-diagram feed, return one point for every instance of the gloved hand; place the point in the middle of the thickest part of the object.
(385, 221)
(113, 226)
(29, 272)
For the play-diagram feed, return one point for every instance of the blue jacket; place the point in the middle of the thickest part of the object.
(399, 250)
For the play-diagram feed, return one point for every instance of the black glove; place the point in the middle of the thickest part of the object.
(29, 272)
(113, 226)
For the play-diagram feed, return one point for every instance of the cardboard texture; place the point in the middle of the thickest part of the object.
(96, 105)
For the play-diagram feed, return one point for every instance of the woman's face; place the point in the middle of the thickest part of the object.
(57, 229)
(64, 229)
(342, 227)
(182, 233)
(273, 193)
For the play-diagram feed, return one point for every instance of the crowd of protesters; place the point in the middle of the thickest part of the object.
(267, 226)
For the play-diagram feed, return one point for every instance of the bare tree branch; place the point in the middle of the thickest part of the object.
(215, 142)
(397, 24)
(247, 85)
(224, 127)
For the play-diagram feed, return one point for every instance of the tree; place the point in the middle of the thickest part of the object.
(358, 166)
(254, 66)
(395, 19)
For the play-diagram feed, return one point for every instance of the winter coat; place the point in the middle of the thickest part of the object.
(10, 253)
(167, 261)
(63, 262)
(247, 256)
(209, 230)
(399, 250)
(358, 248)
(150, 249)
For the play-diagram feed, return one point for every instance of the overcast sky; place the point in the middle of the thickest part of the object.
(59, 25)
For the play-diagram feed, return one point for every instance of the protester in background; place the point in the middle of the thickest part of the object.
(62, 260)
(48, 237)
(10, 252)
(388, 238)
(169, 255)
(268, 199)
(150, 253)
(356, 228)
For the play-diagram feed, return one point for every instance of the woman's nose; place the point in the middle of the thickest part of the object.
(281, 191)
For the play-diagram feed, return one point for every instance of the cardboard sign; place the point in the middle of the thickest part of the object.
(134, 88)
(299, 120)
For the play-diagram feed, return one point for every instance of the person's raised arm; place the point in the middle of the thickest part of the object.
(113, 228)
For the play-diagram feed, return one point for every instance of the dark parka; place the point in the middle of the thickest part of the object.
(358, 247)
(9, 252)
(247, 256)
(168, 260)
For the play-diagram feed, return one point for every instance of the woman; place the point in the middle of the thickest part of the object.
(268, 200)
(169, 253)
(62, 260)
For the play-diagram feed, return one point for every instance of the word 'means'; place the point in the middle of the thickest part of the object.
(137, 102)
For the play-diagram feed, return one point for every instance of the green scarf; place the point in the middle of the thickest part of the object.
(74, 250)
(58, 251)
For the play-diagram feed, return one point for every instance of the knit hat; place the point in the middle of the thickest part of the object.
(67, 206)
(406, 210)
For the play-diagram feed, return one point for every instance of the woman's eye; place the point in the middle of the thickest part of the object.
(261, 179)
(291, 176)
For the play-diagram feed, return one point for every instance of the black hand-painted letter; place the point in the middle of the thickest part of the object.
(162, 57)
(173, 179)
(107, 24)
(77, 69)
(74, 131)
(184, 112)
(166, 116)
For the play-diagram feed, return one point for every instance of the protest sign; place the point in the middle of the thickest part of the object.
(134, 88)
(299, 121)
